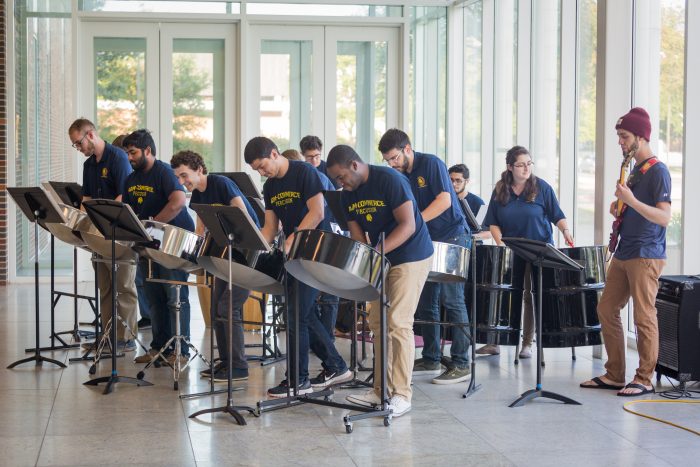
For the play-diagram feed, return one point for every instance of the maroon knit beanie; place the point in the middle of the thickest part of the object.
(637, 122)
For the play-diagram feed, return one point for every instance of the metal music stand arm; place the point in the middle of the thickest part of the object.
(115, 221)
(540, 254)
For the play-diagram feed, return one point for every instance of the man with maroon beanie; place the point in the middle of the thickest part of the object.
(639, 259)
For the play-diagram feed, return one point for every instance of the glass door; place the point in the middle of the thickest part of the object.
(327, 81)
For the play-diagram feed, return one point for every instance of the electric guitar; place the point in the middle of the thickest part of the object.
(615, 234)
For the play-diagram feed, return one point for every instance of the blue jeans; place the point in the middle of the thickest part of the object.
(162, 299)
(144, 308)
(451, 296)
(309, 322)
(327, 311)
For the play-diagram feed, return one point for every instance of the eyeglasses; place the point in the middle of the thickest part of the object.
(78, 143)
(522, 165)
(312, 157)
(392, 160)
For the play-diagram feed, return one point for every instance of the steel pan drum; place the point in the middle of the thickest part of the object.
(253, 270)
(499, 296)
(172, 247)
(570, 300)
(336, 265)
(97, 243)
(450, 263)
(68, 231)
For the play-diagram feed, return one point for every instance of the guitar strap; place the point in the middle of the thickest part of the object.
(636, 175)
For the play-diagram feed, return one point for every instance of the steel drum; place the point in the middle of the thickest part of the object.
(499, 295)
(253, 270)
(570, 300)
(336, 265)
(68, 231)
(172, 246)
(450, 263)
(97, 243)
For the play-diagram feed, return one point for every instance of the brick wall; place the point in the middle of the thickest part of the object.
(3, 149)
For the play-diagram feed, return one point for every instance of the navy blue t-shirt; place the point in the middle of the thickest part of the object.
(518, 218)
(474, 203)
(429, 178)
(105, 179)
(220, 191)
(324, 170)
(372, 206)
(640, 238)
(287, 196)
(147, 193)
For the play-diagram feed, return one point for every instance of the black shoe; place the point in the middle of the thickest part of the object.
(281, 389)
(329, 377)
(144, 323)
(238, 374)
(207, 371)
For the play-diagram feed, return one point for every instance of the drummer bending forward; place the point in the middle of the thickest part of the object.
(104, 173)
(379, 199)
(217, 190)
(153, 191)
(441, 211)
(294, 195)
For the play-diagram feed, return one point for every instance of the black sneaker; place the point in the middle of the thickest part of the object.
(207, 371)
(144, 323)
(239, 374)
(281, 389)
(329, 377)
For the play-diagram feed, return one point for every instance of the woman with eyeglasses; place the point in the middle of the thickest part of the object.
(523, 205)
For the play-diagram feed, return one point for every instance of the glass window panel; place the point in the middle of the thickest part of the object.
(198, 99)
(428, 79)
(120, 85)
(157, 6)
(361, 89)
(48, 6)
(44, 111)
(286, 82)
(471, 107)
(505, 109)
(586, 122)
(545, 89)
(298, 9)
(659, 78)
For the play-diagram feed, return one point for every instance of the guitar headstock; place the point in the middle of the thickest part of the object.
(628, 157)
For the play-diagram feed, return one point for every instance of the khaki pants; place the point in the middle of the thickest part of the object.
(126, 296)
(638, 278)
(404, 284)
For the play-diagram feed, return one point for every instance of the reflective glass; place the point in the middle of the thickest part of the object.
(471, 107)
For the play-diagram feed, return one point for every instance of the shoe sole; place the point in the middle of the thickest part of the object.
(395, 415)
(300, 392)
(451, 381)
(225, 380)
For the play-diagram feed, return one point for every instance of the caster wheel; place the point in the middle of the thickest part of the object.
(175, 386)
(140, 375)
(387, 421)
(92, 370)
(348, 428)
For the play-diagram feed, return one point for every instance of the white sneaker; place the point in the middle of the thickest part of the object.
(399, 406)
(366, 399)
(525, 351)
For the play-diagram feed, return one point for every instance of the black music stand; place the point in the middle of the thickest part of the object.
(475, 228)
(115, 221)
(39, 209)
(542, 255)
(244, 182)
(232, 226)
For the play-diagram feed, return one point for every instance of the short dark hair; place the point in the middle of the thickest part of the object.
(460, 168)
(342, 155)
(310, 142)
(393, 139)
(141, 139)
(189, 158)
(259, 147)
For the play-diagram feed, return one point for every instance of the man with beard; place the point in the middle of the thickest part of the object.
(104, 174)
(153, 191)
